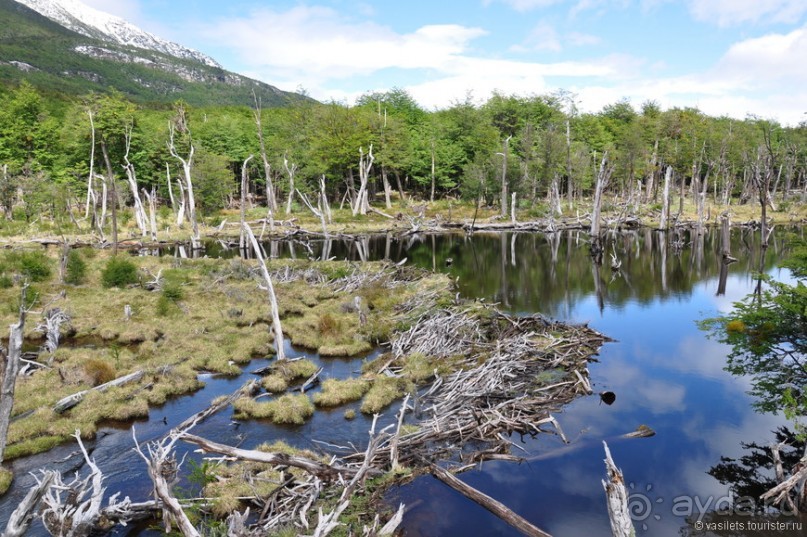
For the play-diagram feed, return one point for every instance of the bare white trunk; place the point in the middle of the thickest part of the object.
(387, 188)
(90, 191)
(140, 213)
(170, 188)
(242, 241)
(504, 176)
(323, 196)
(271, 201)
(513, 210)
(187, 163)
(270, 291)
(665, 201)
(10, 368)
(152, 205)
(290, 170)
(361, 204)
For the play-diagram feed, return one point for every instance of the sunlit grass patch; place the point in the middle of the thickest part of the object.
(287, 409)
(384, 391)
(338, 392)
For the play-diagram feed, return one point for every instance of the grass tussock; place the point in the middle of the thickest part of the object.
(289, 409)
(338, 392)
(6, 477)
(384, 391)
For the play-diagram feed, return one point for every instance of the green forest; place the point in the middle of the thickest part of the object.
(540, 147)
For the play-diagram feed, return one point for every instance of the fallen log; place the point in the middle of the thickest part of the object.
(319, 469)
(72, 400)
(247, 389)
(494, 506)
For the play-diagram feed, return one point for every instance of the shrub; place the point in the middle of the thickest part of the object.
(35, 266)
(99, 371)
(119, 272)
(329, 325)
(173, 292)
(6, 281)
(76, 268)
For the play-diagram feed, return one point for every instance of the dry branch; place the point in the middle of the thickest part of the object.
(21, 518)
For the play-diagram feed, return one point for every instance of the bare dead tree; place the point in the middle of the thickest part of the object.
(665, 199)
(290, 171)
(187, 164)
(316, 211)
(91, 198)
(506, 147)
(362, 203)
(271, 201)
(140, 213)
(323, 197)
(151, 201)
(603, 179)
(111, 178)
(10, 365)
(242, 241)
(163, 468)
(270, 291)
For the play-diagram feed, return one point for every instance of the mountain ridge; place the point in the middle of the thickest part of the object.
(59, 59)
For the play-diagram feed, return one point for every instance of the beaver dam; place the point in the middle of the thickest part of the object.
(453, 381)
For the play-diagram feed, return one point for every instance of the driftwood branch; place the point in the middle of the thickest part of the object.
(20, 519)
(617, 494)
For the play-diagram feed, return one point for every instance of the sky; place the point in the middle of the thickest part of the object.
(725, 57)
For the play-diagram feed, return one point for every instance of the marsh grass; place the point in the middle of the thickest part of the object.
(289, 409)
(338, 392)
(197, 336)
(384, 391)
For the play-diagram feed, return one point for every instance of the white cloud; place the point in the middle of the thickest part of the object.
(317, 40)
(732, 12)
(768, 59)
(578, 39)
(542, 37)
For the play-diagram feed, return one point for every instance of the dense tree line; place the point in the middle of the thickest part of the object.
(55, 152)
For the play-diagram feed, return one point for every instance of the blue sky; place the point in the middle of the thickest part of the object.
(729, 57)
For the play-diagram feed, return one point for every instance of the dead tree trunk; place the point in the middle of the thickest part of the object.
(323, 197)
(10, 368)
(603, 178)
(365, 164)
(187, 164)
(140, 213)
(665, 199)
(290, 170)
(91, 199)
(504, 176)
(270, 291)
(111, 179)
(21, 518)
(242, 241)
(271, 201)
(433, 176)
(151, 200)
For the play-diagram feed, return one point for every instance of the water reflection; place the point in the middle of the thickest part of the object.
(666, 375)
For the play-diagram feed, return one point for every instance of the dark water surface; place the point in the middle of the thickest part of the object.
(665, 373)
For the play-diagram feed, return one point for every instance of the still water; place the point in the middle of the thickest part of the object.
(665, 373)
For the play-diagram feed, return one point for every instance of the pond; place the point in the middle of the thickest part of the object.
(665, 373)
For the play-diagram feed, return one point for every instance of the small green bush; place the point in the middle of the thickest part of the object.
(173, 292)
(6, 281)
(76, 268)
(119, 272)
(35, 266)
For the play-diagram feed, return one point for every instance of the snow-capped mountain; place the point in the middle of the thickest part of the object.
(85, 20)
